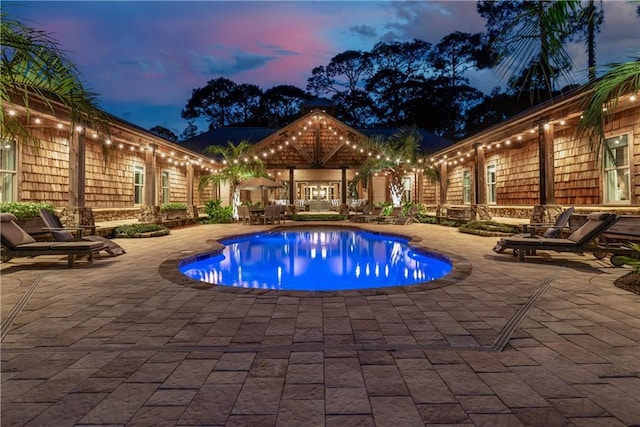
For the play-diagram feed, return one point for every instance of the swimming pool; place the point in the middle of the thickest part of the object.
(316, 260)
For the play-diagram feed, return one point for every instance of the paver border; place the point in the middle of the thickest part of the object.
(461, 268)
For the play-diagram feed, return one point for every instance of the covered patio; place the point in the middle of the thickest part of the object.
(116, 342)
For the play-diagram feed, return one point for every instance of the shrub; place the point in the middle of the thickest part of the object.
(633, 261)
(25, 209)
(131, 230)
(174, 206)
(488, 228)
(216, 213)
(318, 217)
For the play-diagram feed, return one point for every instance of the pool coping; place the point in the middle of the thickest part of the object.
(461, 267)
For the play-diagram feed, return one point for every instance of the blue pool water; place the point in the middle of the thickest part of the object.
(316, 260)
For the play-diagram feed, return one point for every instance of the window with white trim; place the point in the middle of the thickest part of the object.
(138, 184)
(491, 184)
(407, 185)
(8, 171)
(617, 179)
(164, 185)
(466, 186)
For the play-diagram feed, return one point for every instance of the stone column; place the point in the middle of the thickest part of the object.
(150, 214)
(545, 214)
(72, 216)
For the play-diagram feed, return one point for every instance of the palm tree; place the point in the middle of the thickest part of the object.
(240, 165)
(393, 157)
(530, 44)
(36, 70)
(619, 79)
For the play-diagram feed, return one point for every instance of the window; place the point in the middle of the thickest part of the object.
(8, 171)
(491, 184)
(616, 169)
(466, 186)
(407, 187)
(138, 184)
(166, 194)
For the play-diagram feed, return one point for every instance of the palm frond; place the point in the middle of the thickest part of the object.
(35, 69)
(620, 79)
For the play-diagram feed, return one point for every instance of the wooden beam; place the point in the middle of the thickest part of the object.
(77, 170)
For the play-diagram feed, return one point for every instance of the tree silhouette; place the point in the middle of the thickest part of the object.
(165, 133)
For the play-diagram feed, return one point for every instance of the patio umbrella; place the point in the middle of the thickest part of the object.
(260, 183)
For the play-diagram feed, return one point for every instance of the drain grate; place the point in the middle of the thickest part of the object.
(8, 322)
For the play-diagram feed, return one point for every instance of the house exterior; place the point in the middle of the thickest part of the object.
(125, 174)
(515, 169)
(537, 159)
(316, 157)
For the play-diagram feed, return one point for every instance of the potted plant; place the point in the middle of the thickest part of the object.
(175, 210)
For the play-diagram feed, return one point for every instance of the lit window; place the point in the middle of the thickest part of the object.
(491, 184)
(466, 186)
(138, 184)
(617, 180)
(166, 194)
(8, 171)
(407, 186)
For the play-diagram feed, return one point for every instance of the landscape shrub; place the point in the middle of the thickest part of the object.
(25, 209)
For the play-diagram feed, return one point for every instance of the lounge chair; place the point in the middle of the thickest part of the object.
(64, 234)
(551, 230)
(393, 215)
(18, 242)
(577, 242)
(408, 218)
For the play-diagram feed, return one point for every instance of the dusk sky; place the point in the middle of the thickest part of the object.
(144, 58)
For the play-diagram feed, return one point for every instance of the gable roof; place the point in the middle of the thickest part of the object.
(221, 136)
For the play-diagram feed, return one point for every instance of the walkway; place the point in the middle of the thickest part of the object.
(114, 343)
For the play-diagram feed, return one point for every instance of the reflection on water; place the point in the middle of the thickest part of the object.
(316, 260)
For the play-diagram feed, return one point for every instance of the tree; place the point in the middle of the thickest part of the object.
(163, 132)
(529, 38)
(451, 57)
(455, 54)
(494, 108)
(189, 132)
(343, 79)
(282, 102)
(248, 98)
(240, 164)
(215, 102)
(35, 69)
(588, 25)
(393, 157)
(400, 68)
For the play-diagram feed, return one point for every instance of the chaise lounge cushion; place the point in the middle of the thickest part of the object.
(13, 236)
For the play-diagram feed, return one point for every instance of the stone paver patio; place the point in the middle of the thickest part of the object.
(116, 343)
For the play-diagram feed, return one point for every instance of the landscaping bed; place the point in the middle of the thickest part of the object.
(140, 230)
